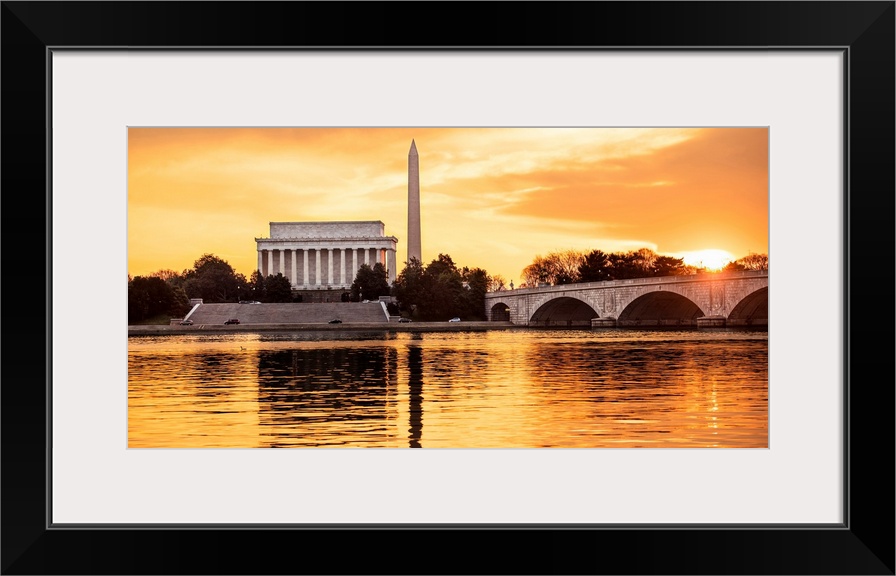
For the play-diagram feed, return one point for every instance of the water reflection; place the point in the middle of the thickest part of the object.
(528, 389)
(316, 395)
(415, 395)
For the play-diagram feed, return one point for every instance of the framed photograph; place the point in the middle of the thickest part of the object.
(91, 87)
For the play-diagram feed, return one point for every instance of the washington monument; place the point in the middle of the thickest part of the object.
(414, 204)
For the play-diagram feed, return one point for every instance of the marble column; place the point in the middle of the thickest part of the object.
(305, 282)
(342, 265)
(330, 253)
(367, 256)
(293, 268)
(317, 266)
(261, 262)
(270, 262)
(354, 262)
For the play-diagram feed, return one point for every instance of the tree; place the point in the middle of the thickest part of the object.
(668, 266)
(166, 274)
(475, 282)
(257, 287)
(540, 271)
(594, 267)
(559, 267)
(644, 259)
(151, 296)
(440, 290)
(370, 283)
(754, 261)
(443, 289)
(277, 288)
(623, 266)
(567, 265)
(409, 285)
(213, 280)
(496, 282)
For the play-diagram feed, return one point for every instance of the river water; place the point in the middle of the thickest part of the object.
(519, 388)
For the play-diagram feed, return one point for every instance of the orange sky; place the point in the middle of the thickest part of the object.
(492, 198)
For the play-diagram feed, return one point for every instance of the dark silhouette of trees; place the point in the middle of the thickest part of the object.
(370, 282)
(257, 287)
(754, 261)
(409, 286)
(751, 261)
(213, 280)
(475, 283)
(149, 297)
(624, 265)
(441, 290)
(277, 289)
(669, 266)
(597, 266)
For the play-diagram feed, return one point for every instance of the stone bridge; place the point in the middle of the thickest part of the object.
(717, 299)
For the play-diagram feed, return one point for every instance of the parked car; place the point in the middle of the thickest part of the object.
(233, 321)
(186, 323)
(455, 319)
(335, 321)
(404, 319)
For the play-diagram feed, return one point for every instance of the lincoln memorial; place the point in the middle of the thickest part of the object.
(325, 255)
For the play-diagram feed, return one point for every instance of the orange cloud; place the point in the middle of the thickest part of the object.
(491, 197)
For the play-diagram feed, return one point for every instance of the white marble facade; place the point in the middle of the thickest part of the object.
(320, 255)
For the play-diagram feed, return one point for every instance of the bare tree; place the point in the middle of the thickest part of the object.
(166, 274)
(558, 267)
(496, 283)
(753, 261)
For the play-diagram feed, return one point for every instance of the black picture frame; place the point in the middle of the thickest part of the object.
(864, 544)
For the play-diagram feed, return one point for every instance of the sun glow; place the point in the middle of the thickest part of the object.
(710, 259)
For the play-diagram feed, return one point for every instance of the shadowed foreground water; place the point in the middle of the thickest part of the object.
(495, 389)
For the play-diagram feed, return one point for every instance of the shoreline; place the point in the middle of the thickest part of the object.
(163, 329)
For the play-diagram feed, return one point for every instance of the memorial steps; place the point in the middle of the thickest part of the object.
(294, 313)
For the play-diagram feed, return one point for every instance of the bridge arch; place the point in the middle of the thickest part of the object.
(563, 311)
(663, 308)
(500, 312)
(752, 310)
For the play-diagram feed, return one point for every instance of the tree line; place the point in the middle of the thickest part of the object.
(167, 292)
(571, 266)
(438, 291)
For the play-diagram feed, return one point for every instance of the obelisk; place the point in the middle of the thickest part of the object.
(414, 204)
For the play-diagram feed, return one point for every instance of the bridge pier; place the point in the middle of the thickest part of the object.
(606, 322)
(711, 322)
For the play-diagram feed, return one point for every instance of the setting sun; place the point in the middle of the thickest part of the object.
(710, 259)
